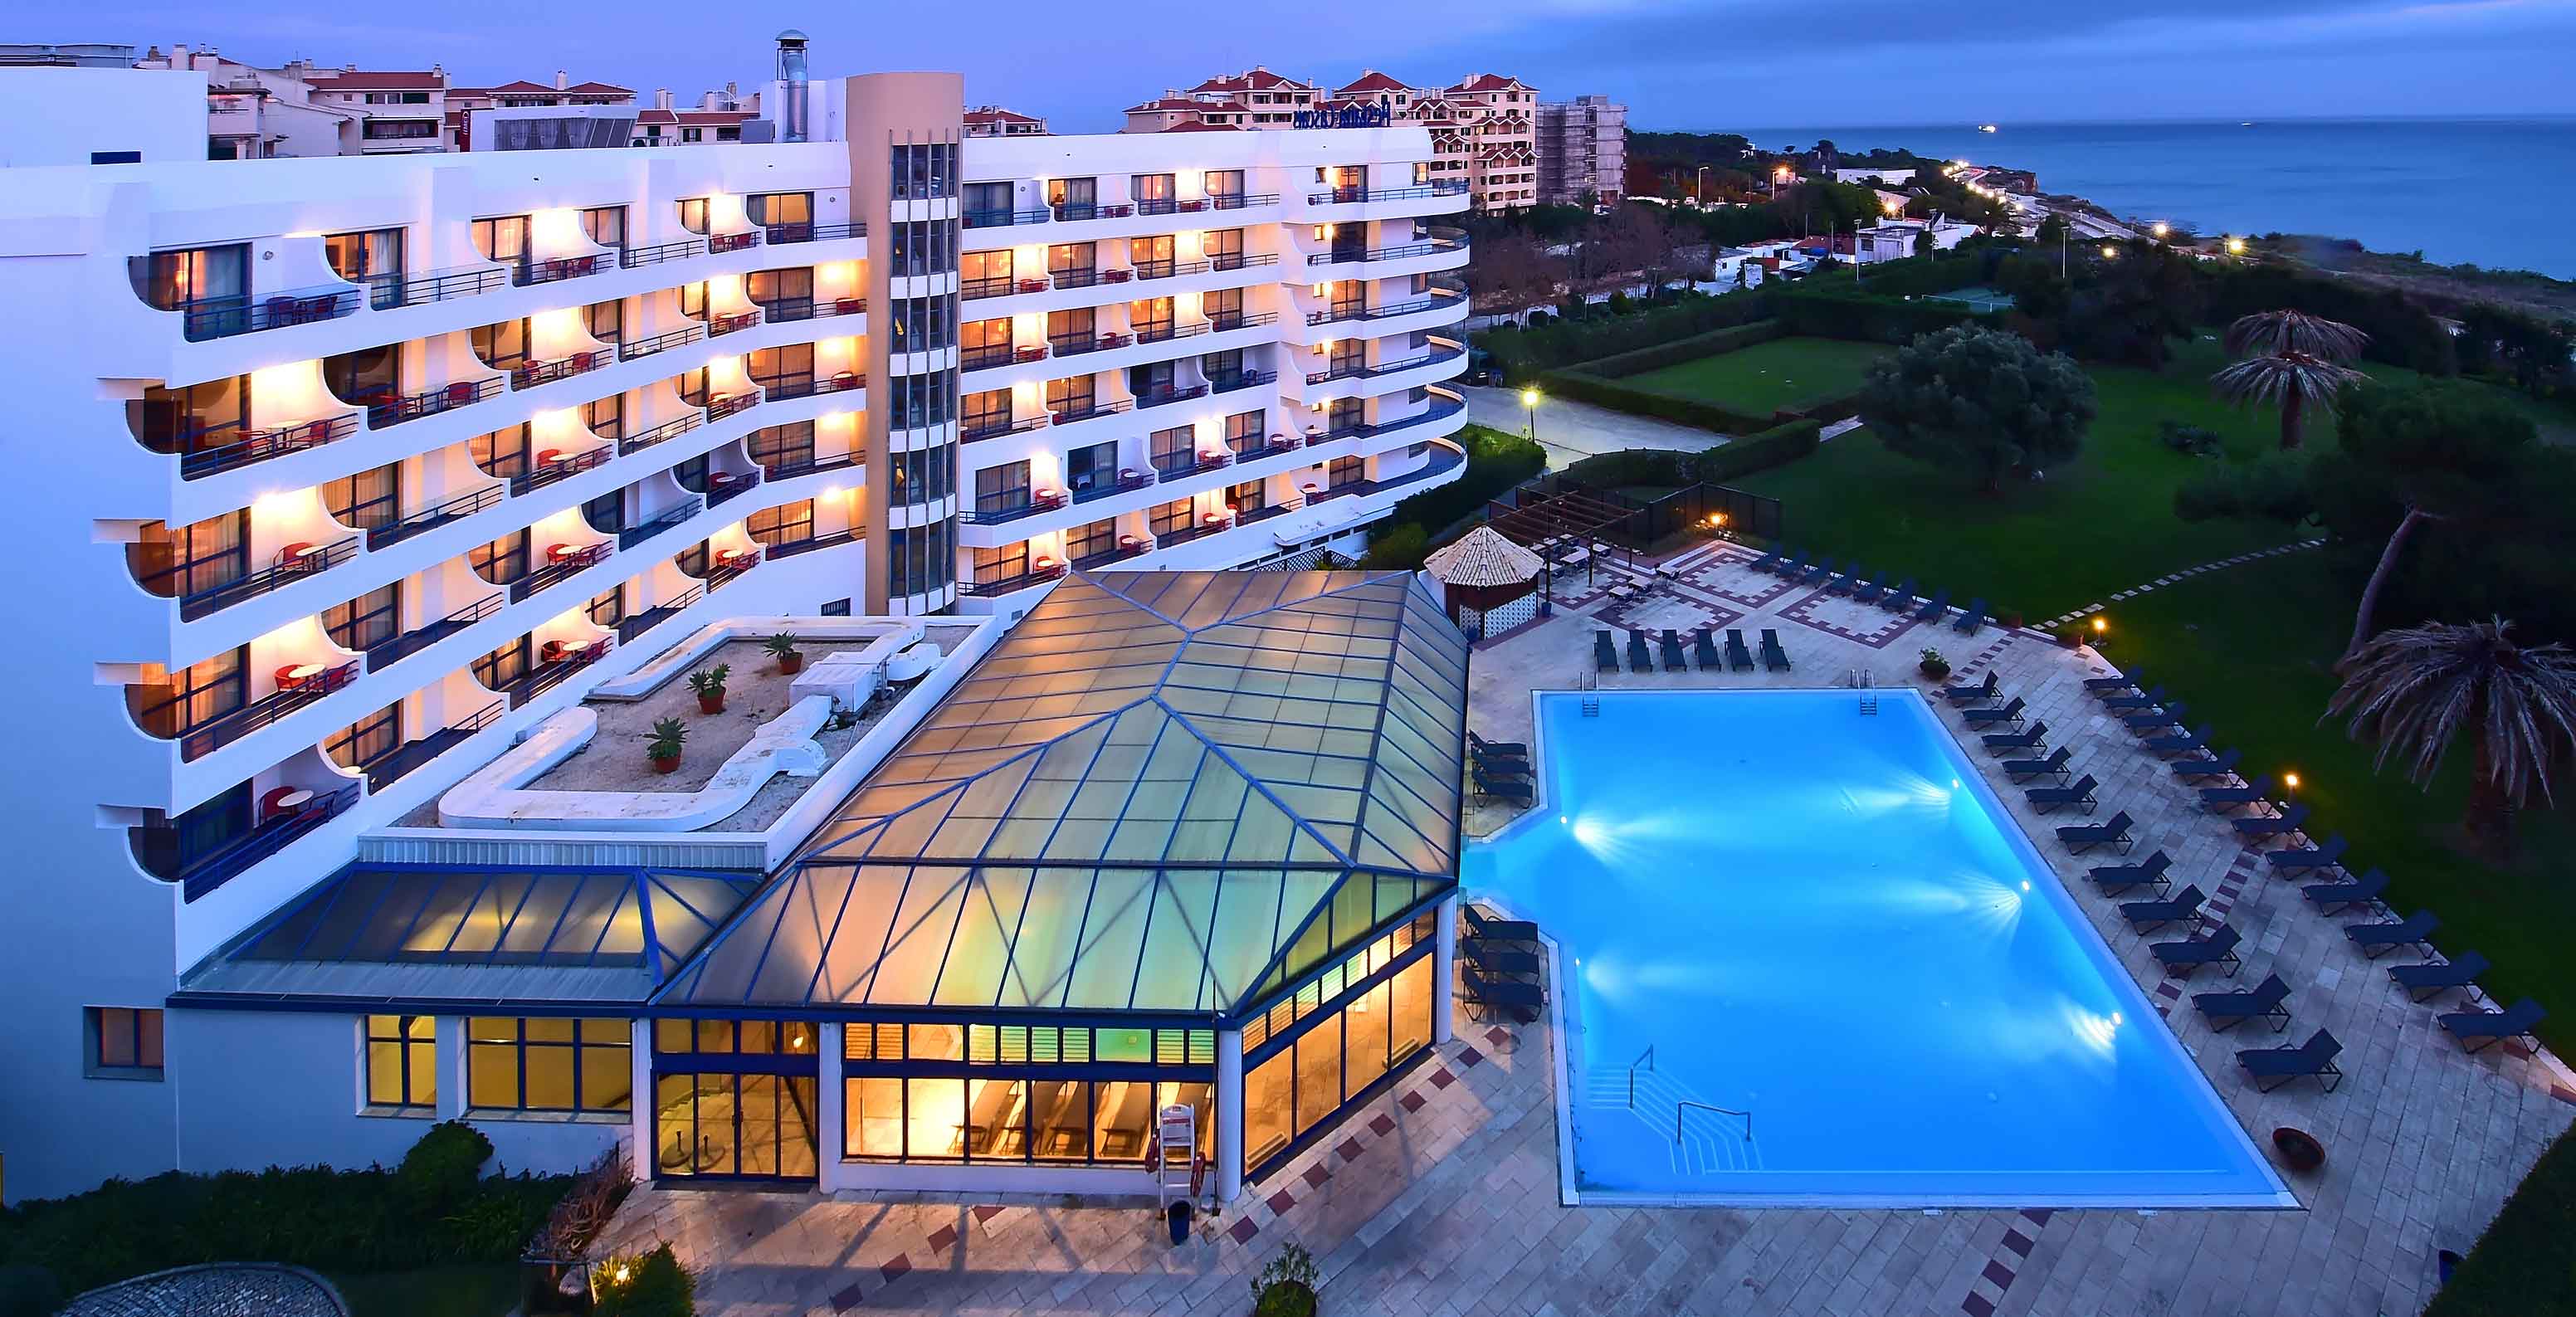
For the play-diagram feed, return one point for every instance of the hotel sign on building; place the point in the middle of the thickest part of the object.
(1348, 116)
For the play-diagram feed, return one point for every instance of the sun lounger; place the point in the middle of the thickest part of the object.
(2182, 742)
(1605, 655)
(2017, 769)
(2480, 1030)
(2081, 793)
(1793, 567)
(2330, 897)
(1704, 651)
(2282, 824)
(1517, 790)
(2028, 738)
(1501, 768)
(2222, 799)
(1482, 925)
(1900, 598)
(1972, 618)
(2193, 770)
(2114, 879)
(1774, 658)
(2270, 1000)
(1817, 574)
(1490, 957)
(1976, 694)
(2181, 958)
(1503, 748)
(1522, 1000)
(1845, 584)
(1872, 592)
(2082, 837)
(1738, 657)
(2182, 907)
(2426, 980)
(1935, 608)
(1766, 562)
(1640, 658)
(2140, 724)
(2114, 683)
(2376, 940)
(1674, 659)
(2008, 712)
(2309, 857)
(2271, 1067)
(2141, 700)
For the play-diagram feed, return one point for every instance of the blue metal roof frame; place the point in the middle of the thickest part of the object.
(1167, 792)
(443, 935)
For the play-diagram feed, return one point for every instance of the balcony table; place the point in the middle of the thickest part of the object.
(293, 800)
(296, 674)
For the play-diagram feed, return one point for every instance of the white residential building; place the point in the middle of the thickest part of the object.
(1483, 128)
(362, 469)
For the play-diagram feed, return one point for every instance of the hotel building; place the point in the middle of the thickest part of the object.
(398, 479)
(1483, 128)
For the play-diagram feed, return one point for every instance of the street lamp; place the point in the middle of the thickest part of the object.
(2235, 246)
(1529, 404)
(2109, 252)
(2161, 230)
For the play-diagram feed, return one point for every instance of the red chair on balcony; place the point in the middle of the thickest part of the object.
(848, 379)
(297, 557)
(583, 361)
(295, 676)
(1034, 352)
(1116, 276)
(849, 306)
(458, 395)
(594, 651)
(1116, 340)
(1033, 285)
(284, 802)
(559, 552)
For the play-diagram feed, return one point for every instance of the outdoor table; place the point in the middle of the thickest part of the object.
(294, 800)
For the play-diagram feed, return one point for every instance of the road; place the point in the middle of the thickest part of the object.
(1569, 430)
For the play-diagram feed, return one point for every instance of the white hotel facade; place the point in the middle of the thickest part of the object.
(344, 474)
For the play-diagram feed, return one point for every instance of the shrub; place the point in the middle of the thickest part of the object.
(1710, 344)
(1404, 546)
(1777, 446)
(2195, 440)
(1632, 466)
(442, 1168)
(1496, 461)
(1286, 1285)
(1841, 312)
(654, 1285)
(1544, 345)
(1585, 387)
(28, 1291)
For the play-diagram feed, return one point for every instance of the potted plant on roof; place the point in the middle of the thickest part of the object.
(1933, 665)
(709, 683)
(1286, 1285)
(664, 748)
(790, 660)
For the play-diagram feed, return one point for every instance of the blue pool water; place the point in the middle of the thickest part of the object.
(1825, 920)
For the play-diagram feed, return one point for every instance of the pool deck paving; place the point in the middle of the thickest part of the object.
(1442, 1197)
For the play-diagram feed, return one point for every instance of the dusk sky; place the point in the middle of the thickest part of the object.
(1706, 65)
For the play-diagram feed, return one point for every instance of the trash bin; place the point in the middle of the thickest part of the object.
(1178, 1217)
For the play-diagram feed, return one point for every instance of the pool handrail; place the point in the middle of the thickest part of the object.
(1686, 1104)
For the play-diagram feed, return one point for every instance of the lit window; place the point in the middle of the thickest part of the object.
(124, 1042)
(536, 1064)
(402, 1061)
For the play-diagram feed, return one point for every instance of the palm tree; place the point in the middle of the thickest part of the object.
(2292, 359)
(2289, 380)
(2273, 333)
(2414, 690)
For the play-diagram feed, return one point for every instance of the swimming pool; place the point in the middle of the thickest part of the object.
(1824, 926)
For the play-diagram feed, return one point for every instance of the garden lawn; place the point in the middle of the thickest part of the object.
(2525, 1264)
(2250, 649)
(471, 1289)
(1766, 377)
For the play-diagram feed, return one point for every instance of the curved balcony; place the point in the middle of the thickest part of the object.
(1399, 252)
(556, 660)
(291, 564)
(390, 289)
(205, 318)
(166, 853)
(433, 516)
(556, 269)
(562, 563)
(385, 653)
(394, 409)
(550, 466)
(297, 686)
(530, 374)
(663, 342)
(222, 449)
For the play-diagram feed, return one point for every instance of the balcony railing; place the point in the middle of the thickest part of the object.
(1225, 321)
(294, 563)
(202, 740)
(1363, 370)
(1170, 393)
(1074, 345)
(1082, 278)
(631, 627)
(997, 515)
(996, 429)
(684, 248)
(1441, 406)
(995, 219)
(259, 446)
(645, 347)
(997, 286)
(159, 847)
(1345, 256)
(1331, 315)
(1240, 261)
(1165, 331)
(730, 486)
(986, 357)
(1015, 584)
(722, 573)
(434, 516)
(733, 242)
(726, 405)
(1215, 459)
(399, 408)
(813, 466)
(546, 676)
(810, 385)
(397, 288)
(1085, 411)
(1241, 201)
(572, 563)
(670, 429)
(544, 473)
(1194, 529)
(246, 313)
(1073, 211)
(806, 308)
(1096, 561)
(556, 269)
(390, 767)
(1342, 196)
(387, 652)
(530, 374)
(780, 234)
(1243, 379)
(794, 547)
(661, 521)
(728, 324)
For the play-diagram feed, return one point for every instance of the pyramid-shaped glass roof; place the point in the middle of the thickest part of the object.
(1163, 791)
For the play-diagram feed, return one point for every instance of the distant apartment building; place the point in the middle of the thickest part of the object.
(994, 121)
(1582, 148)
(1483, 128)
(462, 102)
(399, 112)
(255, 113)
(78, 55)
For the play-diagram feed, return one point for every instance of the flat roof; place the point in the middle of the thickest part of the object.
(1163, 791)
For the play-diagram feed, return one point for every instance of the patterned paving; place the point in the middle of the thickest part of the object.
(2186, 573)
(1442, 1198)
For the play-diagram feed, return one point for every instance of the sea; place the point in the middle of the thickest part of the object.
(2491, 192)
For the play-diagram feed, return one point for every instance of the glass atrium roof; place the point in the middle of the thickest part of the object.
(437, 933)
(1163, 791)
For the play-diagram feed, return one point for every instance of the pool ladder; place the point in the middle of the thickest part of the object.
(1646, 1061)
(1866, 682)
(1590, 685)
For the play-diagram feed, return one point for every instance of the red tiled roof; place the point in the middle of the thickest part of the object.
(595, 88)
(1487, 82)
(1257, 79)
(519, 88)
(1372, 80)
(1174, 103)
(996, 114)
(1195, 126)
(364, 81)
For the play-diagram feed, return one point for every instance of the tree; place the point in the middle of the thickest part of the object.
(1925, 244)
(1980, 401)
(2415, 690)
(2291, 380)
(2052, 230)
(1512, 273)
(2130, 305)
(2275, 333)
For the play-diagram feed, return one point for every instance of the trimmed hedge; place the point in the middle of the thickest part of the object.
(1523, 353)
(1868, 317)
(1777, 446)
(2525, 1263)
(1586, 387)
(1710, 344)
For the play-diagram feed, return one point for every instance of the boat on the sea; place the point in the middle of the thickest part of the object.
(1986, 128)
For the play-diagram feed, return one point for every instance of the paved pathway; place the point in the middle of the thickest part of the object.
(2184, 575)
(1442, 1197)
(1569, 430)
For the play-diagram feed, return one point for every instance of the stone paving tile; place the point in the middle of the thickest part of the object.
(1442, 1198)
